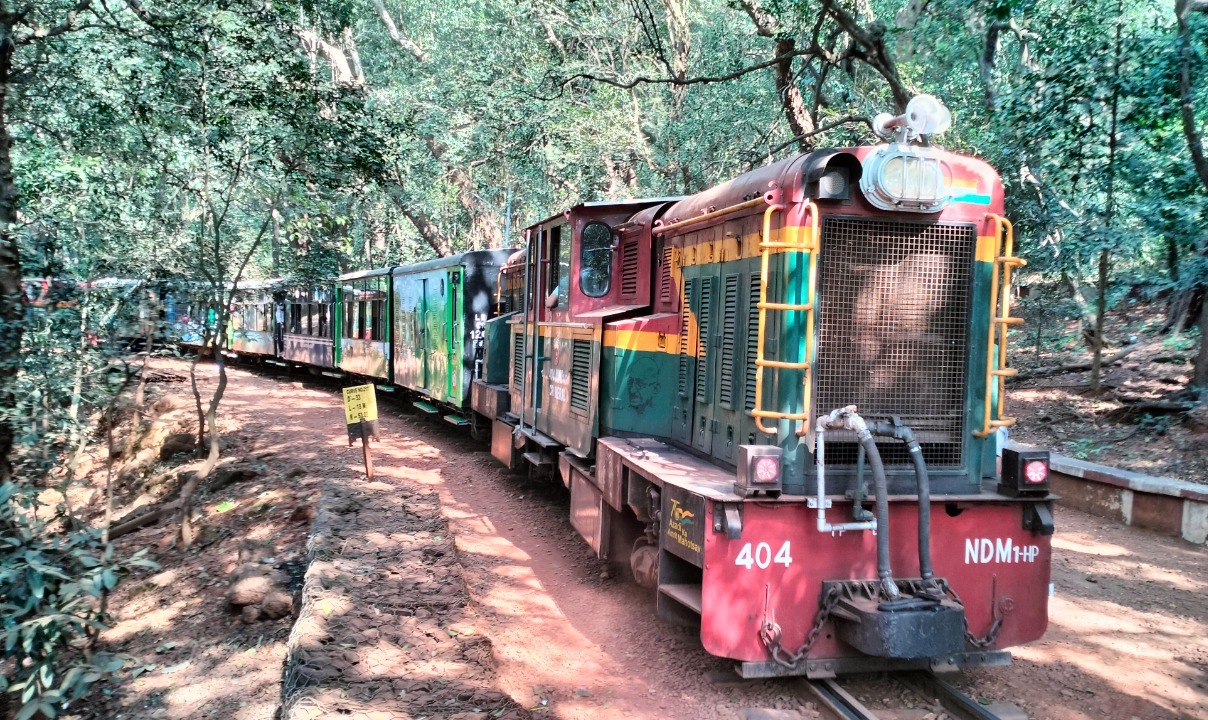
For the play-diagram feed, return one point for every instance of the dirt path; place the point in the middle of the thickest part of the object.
(1126, 639)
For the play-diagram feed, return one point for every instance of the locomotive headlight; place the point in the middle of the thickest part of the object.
(902, 177)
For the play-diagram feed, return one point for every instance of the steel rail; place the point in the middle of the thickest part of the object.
(959, 705)
(837, 700)
(843, 705)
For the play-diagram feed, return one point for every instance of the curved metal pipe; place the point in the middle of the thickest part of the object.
(820, 491)
(847, 419)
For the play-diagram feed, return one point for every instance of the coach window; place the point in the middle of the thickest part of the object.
(350, 312)
(595, 259)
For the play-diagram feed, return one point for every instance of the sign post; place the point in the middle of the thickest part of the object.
(360, 412)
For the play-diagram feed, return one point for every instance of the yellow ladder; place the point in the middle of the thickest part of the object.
(810, 247)
(1000, 322)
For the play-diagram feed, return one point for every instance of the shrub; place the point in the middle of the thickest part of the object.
(53, 585)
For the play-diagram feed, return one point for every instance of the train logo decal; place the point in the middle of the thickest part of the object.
(685, 534)
(680, 516)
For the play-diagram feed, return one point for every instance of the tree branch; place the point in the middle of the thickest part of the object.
(686, 81)
(872, 51)
(68, 24)
(819, 131)
(400, 38)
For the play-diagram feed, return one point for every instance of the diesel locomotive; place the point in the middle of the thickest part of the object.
(780, 402)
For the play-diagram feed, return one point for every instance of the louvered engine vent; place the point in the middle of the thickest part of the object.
(580, 374)
(704, 337)
(684, 338)
(665, 280)
(517, 360)
(629, 269)
(893, 331)
(752, 335)
(729, 319)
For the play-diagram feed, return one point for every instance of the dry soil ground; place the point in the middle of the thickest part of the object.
(1127, 637)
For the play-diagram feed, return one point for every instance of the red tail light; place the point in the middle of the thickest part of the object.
(1024, 472)
(1036, 471)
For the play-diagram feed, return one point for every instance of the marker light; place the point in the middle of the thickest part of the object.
(767, 470)
(758, 470)
(1024, 472)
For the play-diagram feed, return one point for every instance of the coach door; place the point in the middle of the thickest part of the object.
(456, 331)
(435, 334)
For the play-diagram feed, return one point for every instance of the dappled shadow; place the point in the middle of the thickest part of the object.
(387, 627)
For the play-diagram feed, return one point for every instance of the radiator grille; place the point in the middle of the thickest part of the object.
(752, 333)
(704, 321)
(629, 269)
(580, 374)
(893, 330)
(729, 320)
(517, 360)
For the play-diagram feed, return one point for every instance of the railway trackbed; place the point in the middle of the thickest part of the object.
(946, 698)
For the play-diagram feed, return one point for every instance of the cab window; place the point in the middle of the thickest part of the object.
(595, 259)
(559, 266)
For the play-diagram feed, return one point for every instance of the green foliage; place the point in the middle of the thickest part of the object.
(52, 584)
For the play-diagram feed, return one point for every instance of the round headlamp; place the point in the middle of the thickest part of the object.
(903, 177)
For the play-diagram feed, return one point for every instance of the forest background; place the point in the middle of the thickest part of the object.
(225, 139)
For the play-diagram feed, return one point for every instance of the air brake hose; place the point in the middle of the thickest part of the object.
(881, 485)
(906, 435)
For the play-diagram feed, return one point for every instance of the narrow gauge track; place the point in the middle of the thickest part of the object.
(843, 705)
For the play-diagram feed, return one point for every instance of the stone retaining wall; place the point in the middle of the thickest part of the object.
(386, 629)
(1171, 507)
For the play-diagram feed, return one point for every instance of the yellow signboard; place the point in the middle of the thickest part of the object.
(360, 403)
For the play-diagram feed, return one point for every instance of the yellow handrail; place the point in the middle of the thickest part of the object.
(499, 292)
(1000, 321)
(705, 217)
(809, 247)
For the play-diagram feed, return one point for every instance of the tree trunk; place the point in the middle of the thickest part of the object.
(1195, 144)
(275, 239)
(1109, 208)
(12, 299)
(187, 533)
(792, 103)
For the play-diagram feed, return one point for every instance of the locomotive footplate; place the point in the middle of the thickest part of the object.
(920, 623)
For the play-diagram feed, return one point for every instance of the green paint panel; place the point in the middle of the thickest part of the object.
(634, 389)
(497, 352)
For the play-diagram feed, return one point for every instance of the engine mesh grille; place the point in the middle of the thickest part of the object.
(893, 330)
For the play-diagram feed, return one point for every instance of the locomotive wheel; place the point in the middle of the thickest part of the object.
(644, 562)
(477, 431)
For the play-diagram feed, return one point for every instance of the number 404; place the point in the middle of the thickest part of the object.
(761, 556)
